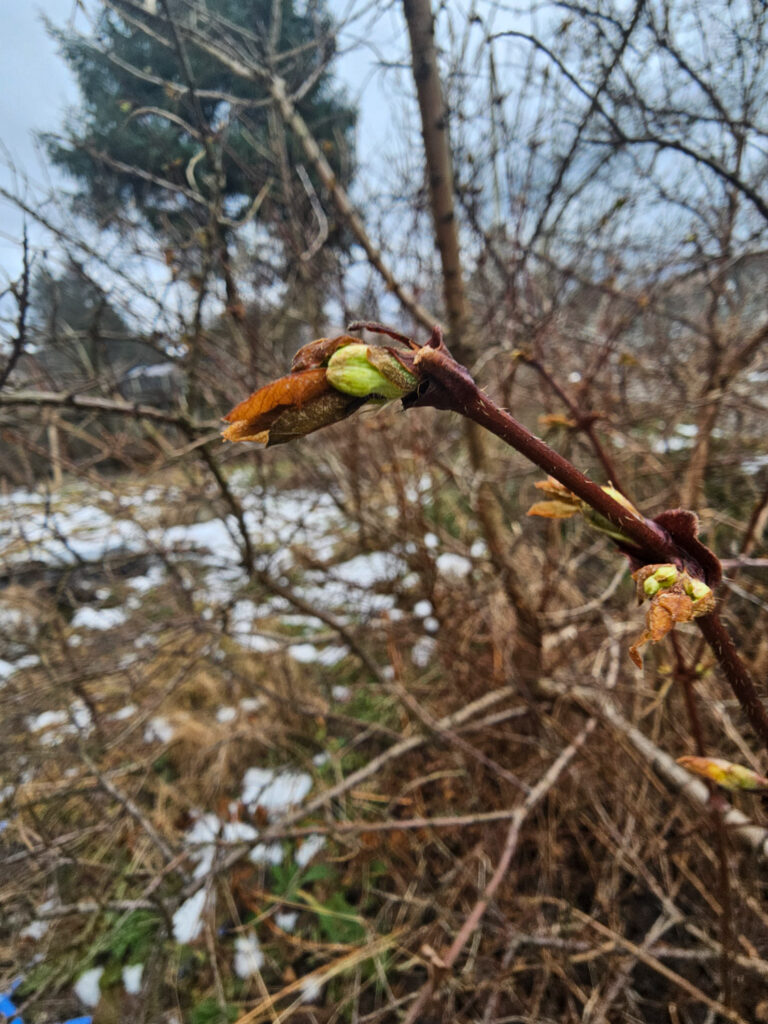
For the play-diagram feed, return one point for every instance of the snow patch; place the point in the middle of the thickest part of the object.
(154, 577)
(266, 854)
(249, 958)
(98, 618)
(35, 931)
(159, 729)
(453, 565)
(47, 719)
(308, 849)
(423, 651)
(87, 987)
(132, 975)
(122, 713)
(311, 990)
(274, 791)
(286, 920)
(188, 920)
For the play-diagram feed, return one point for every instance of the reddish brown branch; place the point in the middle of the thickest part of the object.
(445, 384)
(582, 421)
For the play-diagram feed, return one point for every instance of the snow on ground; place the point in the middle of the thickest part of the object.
(159, 729)
(188, 919)
(286, 920)
(88, 526)
(274, 791)
(98, 618)
(87, 986)
(65, 531)
(311, 990)
(249, 958)
(132, 976)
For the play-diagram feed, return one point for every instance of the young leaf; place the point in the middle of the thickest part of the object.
(724, 773)
(674, 597)
(365, 371)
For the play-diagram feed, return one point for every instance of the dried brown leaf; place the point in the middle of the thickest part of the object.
(555, 509)
(256, 414)
(327, 408)
(317, 353)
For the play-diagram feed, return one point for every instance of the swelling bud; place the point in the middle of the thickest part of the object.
(367, 372)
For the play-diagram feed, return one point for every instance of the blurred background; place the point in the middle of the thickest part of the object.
(274, 721)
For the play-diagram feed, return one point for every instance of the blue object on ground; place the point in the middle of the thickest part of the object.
(8, 1008)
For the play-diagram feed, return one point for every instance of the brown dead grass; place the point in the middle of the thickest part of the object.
(621, 895)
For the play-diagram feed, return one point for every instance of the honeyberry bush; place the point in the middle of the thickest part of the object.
(365, 672)
(336, 731)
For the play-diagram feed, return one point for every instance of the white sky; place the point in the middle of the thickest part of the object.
(36, 88)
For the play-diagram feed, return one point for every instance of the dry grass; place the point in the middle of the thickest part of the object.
(624, 898)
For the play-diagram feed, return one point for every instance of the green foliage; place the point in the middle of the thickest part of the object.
(133, 937)
(369, 704)
(209, 1012)
(338, 921)
(286, 879)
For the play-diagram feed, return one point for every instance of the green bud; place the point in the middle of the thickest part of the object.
(366, 372)
(697, 589)
(665, 575)
(651, 587)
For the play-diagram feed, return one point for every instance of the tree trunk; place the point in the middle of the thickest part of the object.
(437, 151)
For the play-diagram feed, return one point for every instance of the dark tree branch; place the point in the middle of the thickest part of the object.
(21, 293)
(445, 384)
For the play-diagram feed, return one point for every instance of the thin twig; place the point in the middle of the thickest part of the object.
(536, 795)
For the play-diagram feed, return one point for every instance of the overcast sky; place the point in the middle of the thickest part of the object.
(36, 88)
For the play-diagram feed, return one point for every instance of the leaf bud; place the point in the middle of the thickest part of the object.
(697, 589)
(651, 587)
(366, 372)
(665, 575)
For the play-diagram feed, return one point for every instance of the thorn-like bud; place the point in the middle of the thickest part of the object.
(365, 372)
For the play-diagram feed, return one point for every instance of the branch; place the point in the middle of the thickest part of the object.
(536, 795)
(21, 293)
(109, 405)
(343, 204)
(445, 384)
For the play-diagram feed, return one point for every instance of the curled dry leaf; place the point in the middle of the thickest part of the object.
(318, 352)
(321, 411)
(560, 502)
(553, 509)
(674, 597)
(724, 773)
(252, 419)
(556, 420)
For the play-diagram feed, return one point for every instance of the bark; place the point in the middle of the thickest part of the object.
(437, 151)
(439, 163)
